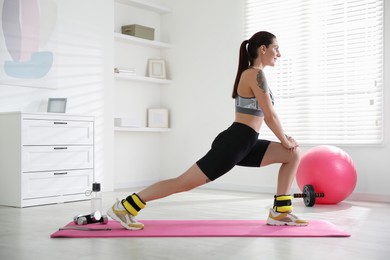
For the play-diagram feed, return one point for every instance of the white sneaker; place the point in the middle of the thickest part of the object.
(285, 219)
(118, 213)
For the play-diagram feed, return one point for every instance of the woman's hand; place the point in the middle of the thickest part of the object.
(291, 144)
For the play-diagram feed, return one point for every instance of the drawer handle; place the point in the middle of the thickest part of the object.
(60, 123)
(60, 148)
(60, 173)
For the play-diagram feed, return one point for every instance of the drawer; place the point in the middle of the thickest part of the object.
(56, 183)
(50, 158)
(57, 132)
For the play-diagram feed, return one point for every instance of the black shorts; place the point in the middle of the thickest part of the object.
(237, 145)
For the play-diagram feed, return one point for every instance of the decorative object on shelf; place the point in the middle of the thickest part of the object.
(128, 71)
(56, 105)
(158, 118)
(138, 31)
(127, 122)
(156, 69)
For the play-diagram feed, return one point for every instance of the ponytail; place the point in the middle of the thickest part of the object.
(243, 64)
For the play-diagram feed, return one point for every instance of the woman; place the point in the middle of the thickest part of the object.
(238, 145)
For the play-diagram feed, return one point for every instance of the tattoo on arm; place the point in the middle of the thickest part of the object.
(262, 82)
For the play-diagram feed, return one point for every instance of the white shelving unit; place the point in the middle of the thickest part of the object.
(136, 145)
(134, 42)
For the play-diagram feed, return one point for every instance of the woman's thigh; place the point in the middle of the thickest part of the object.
(277, 153)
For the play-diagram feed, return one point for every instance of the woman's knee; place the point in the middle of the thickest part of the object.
(296, 155)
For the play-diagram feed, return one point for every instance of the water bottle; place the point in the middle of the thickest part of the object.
(96, 198)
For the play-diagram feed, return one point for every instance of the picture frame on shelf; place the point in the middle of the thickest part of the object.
(156, 68)
(56, 105)
(158, 118)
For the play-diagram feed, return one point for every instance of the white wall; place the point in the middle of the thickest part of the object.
(206, 36)
(82, 44)
(202, 63)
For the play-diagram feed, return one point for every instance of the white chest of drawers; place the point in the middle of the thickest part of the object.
(45, 158)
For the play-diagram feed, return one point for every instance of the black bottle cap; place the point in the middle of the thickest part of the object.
(95, 186)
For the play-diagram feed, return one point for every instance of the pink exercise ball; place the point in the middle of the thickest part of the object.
(330, 170)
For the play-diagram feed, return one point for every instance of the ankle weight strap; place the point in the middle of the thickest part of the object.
(283, 203)
(133, 204)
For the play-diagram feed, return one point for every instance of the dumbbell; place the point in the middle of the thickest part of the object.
(95, 217)
(309, 195)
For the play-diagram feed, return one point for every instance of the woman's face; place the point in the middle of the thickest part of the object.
(270, 54)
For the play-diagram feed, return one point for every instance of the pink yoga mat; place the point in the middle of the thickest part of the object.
(203, 228)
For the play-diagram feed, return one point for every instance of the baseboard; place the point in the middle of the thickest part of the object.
(380, 198)
(356, 196)
(243, 188)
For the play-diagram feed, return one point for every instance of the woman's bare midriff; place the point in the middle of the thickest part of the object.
(254, 122)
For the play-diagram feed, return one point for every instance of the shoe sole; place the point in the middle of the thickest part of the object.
(112, 215)
(272, 222)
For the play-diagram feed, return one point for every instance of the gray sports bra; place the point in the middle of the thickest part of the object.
(250, 105)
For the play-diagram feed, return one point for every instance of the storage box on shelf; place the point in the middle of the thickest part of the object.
(138, 31)
(45, 158)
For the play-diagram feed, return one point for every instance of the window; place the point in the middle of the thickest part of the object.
(328, 84)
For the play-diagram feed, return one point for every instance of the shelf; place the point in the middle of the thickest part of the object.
(145, 5)
(140, 41)
(141, 129)
(122, 76)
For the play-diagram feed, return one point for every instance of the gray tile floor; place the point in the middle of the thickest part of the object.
(25, 233)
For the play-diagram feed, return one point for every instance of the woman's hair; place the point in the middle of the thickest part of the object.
(248, 55)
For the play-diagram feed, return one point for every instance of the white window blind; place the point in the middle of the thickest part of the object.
(328, 84)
